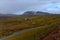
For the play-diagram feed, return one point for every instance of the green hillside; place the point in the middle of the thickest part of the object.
(47, 24)
(34, 34)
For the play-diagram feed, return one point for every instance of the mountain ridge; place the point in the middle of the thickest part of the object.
(36, 13)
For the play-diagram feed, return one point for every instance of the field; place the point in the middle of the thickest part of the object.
(43, 26)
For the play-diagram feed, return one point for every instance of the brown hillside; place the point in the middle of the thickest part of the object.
(54, 35)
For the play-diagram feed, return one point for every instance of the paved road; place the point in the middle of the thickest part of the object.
(22, 31)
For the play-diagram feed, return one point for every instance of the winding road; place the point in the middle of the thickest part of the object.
(22, 31)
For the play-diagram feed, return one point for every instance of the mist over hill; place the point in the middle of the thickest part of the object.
(28, 13)
(35, 13)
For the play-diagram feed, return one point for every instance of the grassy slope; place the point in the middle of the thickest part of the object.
(49, 23)
(17, 24)
(34, 34)
(54, 35)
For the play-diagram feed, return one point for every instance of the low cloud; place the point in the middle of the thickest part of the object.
(19, 6)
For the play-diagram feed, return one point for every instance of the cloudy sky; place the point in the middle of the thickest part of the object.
(20, 6)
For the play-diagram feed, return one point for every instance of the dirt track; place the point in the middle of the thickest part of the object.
(54, 35)
(4, 38)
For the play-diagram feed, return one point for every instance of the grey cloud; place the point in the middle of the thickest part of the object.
(18, 6)
(10, 6)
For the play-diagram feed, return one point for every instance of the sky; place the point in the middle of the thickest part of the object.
(20, 6)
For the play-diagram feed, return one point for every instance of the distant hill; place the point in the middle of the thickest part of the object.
(35, 13)
(28, 13)
(7, 16)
